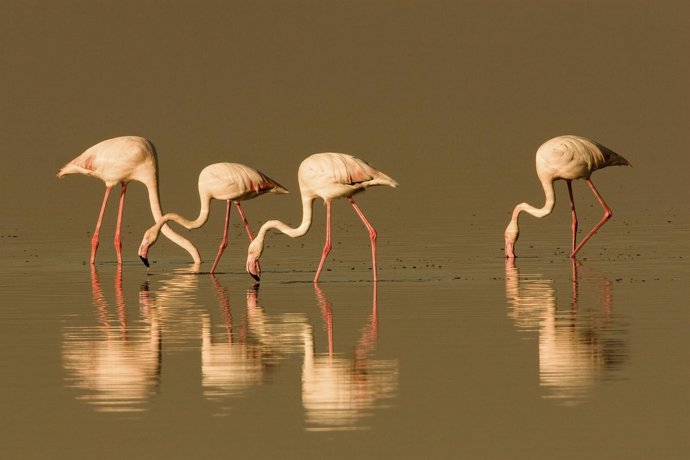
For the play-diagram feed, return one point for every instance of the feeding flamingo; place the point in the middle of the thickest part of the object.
(567, 158)
(327, 176)
(220, 181)
(122, 160)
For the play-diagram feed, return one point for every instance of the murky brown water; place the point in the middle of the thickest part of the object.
(453, 353)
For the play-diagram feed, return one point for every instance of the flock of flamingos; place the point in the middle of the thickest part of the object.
(323, 175)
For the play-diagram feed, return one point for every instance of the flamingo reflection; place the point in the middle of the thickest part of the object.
(116, 367)
(240, 358)
(337, 391)
(576, 345)
(180, 313)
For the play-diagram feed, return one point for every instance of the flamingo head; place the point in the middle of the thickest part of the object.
(253, 254)
(149, 239)
(511, 235)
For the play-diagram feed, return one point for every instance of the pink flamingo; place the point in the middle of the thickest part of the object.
(567, 158)
(222, 181)
(122, 160)
(326, 176)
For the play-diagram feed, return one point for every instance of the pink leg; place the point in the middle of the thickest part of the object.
(607, 215)
(97, 231)
(244, 221)
(372, 235)
(575, 283)
(572, 210)
(117, 241)
(224, 243)
(327, 246)
(246, 226)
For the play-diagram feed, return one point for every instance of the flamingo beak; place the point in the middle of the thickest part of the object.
(253, 268)
(145, 260)
(510, 249)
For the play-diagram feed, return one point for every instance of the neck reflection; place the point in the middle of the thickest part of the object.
(578, 346)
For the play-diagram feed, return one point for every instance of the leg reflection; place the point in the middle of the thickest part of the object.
(338, 391)
(113, 368)
(577, 347)
(229, 366)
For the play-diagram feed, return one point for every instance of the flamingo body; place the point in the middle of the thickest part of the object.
(122, 160)
(236, 182)
(567, 158)
(573, 157)
(337, 175)
(117, 160)
(230, 182)
(327, 176)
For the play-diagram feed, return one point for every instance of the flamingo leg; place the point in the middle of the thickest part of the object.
(244, 221)
(327, 246)
(117, 241)
(224, 243)
(607, 215)
(246, 226)
(372, 235)
(97, 231)
(575, 291)
(572, 210)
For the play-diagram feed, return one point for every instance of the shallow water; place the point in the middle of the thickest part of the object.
(453, 353)
(482, 358)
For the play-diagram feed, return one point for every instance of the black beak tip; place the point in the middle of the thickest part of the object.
(145, 260)
(256, 277)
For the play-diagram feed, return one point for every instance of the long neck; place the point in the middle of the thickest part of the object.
(307, 204)
(186, 223)
(550, 201)
(154, 201)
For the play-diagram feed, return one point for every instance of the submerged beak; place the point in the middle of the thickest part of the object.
(145, 260)
(253, 268)
(509, 249)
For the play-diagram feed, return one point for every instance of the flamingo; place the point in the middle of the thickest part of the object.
(567, 158)
(122, 160)
(326, 176)
(222, 181)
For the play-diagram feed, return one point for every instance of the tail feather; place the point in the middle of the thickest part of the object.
(612, 158)
(72, 168)
(383, 179)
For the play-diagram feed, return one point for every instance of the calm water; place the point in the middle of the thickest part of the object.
(452, 354)
(479, 358)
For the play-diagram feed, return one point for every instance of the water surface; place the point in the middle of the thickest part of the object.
(453, 353)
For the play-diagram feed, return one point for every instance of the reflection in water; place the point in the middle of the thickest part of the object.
(117, 367)
(337, 391)
(244, 353)
(578, 346)
(179, 312)
(229, 366)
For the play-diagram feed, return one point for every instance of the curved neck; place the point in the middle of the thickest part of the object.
(204, 212)
(549, 203)
(154, 201)
(303, 228)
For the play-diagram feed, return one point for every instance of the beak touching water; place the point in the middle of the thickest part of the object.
(253, 267)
